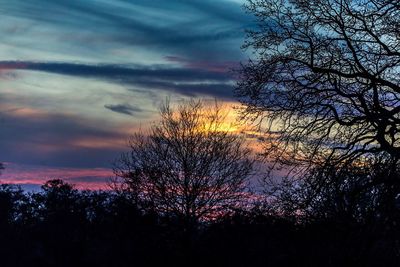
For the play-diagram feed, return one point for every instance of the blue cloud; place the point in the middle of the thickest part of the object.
(195, 28)
(50, 140)
(186, 81)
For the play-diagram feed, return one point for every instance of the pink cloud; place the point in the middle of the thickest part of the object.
(6, 69)
(82, 178)
(13, 65)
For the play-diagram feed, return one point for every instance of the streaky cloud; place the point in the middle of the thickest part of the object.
(195, 28)
(190, 80)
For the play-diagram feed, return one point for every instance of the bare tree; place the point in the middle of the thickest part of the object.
(325, 78)
(189, 165)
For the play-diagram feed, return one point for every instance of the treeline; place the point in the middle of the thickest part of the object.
(182, 197)
(62, 226)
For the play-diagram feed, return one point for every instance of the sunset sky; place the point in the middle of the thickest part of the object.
(77, 77)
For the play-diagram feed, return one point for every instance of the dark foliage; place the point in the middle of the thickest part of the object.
(61, 226)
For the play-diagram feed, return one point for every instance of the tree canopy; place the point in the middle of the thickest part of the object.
(189, 164)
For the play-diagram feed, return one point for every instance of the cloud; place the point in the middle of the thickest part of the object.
(33, 137)
(195, 28)
(116, 52)
(191, 80)
(124, 109)
(31, 177)
(117, 71)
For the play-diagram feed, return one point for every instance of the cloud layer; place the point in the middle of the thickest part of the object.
(190, 80)
(77, 77)
(196, 29)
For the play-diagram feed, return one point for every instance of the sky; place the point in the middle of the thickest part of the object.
(77, 77)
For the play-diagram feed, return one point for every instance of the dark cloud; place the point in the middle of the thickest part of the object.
(124, 109)
(220, 90)
(118, 71)
(190, 81)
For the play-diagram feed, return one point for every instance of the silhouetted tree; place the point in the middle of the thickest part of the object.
(58, 199)
(11, 199)
(61, 212)
(325, 78)
(61, 226)
(353, 209)
(347, 193)
(190, 165)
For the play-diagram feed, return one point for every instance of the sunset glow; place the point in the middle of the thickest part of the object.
(75, 84)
